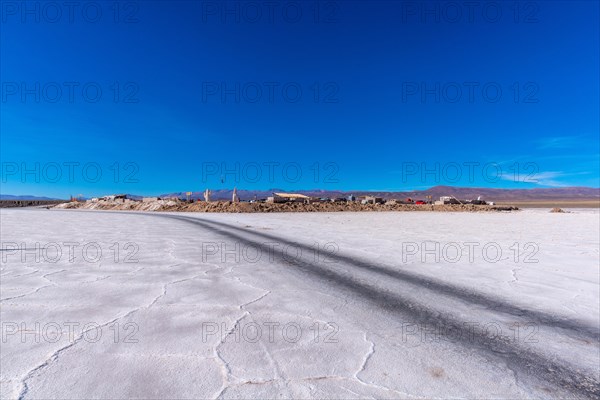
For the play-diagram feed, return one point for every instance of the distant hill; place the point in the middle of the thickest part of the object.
(25, 197)
(562, 193)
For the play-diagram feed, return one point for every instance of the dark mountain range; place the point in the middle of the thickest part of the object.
(25, 197)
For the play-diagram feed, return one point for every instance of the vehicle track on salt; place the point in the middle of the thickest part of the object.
(386, 290)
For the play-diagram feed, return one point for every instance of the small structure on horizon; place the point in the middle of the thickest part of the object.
(447, 200)
(116, 197)
(288, 198)
(371, 200)
(120, 197)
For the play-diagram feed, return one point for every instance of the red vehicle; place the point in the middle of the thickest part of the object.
(420, 202)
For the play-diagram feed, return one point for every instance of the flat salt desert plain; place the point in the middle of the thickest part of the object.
(309, 305)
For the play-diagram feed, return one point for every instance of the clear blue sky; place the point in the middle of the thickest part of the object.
(192, 88)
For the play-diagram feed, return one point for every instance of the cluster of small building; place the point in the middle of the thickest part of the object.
(453, 200)
(300, 198)
(122, 198)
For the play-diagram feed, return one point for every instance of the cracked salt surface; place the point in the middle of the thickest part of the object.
(182, 323)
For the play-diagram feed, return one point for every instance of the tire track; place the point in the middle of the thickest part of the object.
(524, 361)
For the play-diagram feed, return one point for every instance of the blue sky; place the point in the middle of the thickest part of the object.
(156, 97)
